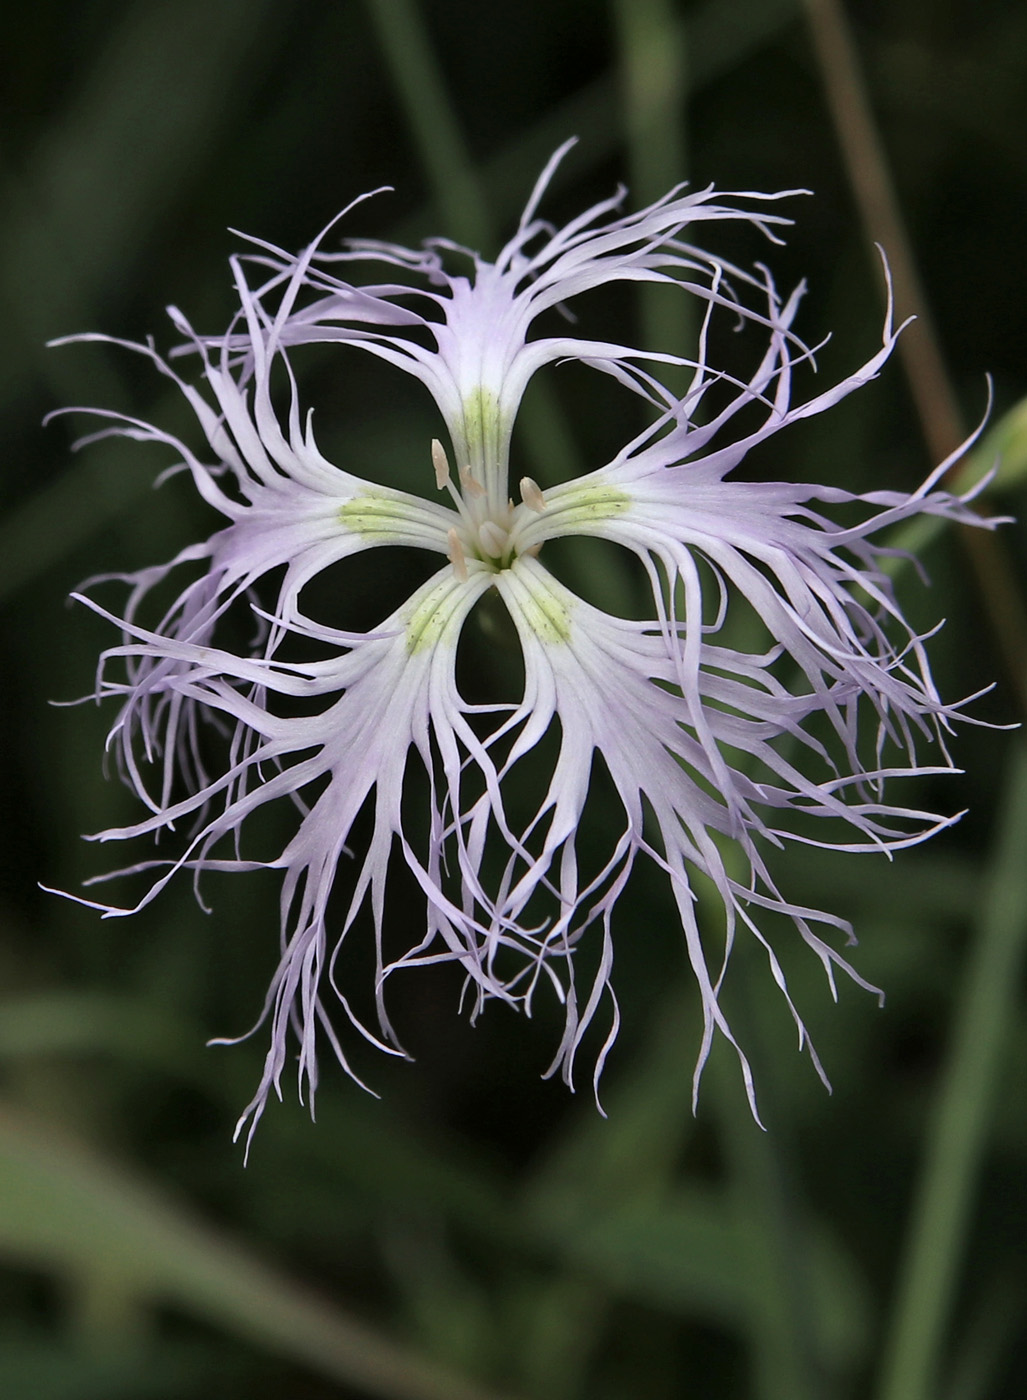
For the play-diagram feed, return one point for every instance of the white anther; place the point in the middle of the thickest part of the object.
(456, 556)
(531, 495)
(494, 539)
(440, 462)
(470, 484)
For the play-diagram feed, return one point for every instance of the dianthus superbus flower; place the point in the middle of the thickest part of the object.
(715, 755)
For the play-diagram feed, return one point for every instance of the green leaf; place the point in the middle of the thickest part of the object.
(66, 1209)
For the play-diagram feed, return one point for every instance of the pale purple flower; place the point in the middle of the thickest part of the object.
(715, 755)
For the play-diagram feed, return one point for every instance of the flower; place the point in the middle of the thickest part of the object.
(714, 754)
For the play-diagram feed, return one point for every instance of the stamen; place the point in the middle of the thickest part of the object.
(532, 495)
(440, 462)
(494, 539)
(456, 555)
(470, 485)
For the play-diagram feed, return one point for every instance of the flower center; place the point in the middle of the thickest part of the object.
(486, 531)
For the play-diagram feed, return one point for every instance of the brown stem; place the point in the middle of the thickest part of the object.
(933, 395)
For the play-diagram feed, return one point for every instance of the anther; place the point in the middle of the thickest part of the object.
(440, 462)
(531, 495)
(472, 486)
(456, 555)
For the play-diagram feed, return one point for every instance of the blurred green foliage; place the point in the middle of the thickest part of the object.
(478, 1232)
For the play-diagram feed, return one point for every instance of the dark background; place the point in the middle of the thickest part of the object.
(482, 1223)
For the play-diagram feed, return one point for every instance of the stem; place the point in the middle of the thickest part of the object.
(771, 1241)
(943, 1207)
(933, 395)
(432, 121)
(653, 60)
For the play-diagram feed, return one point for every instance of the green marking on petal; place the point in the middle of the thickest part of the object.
(585, 507)
(482, 424)
(548, 614)
(537, 602)
(548, 618)
(481, 413)
(431, 618)
(377, 518)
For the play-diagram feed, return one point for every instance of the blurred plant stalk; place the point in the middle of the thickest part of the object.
(943, 1203)
(936, 403)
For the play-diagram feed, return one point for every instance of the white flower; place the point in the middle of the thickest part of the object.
(713, 754)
